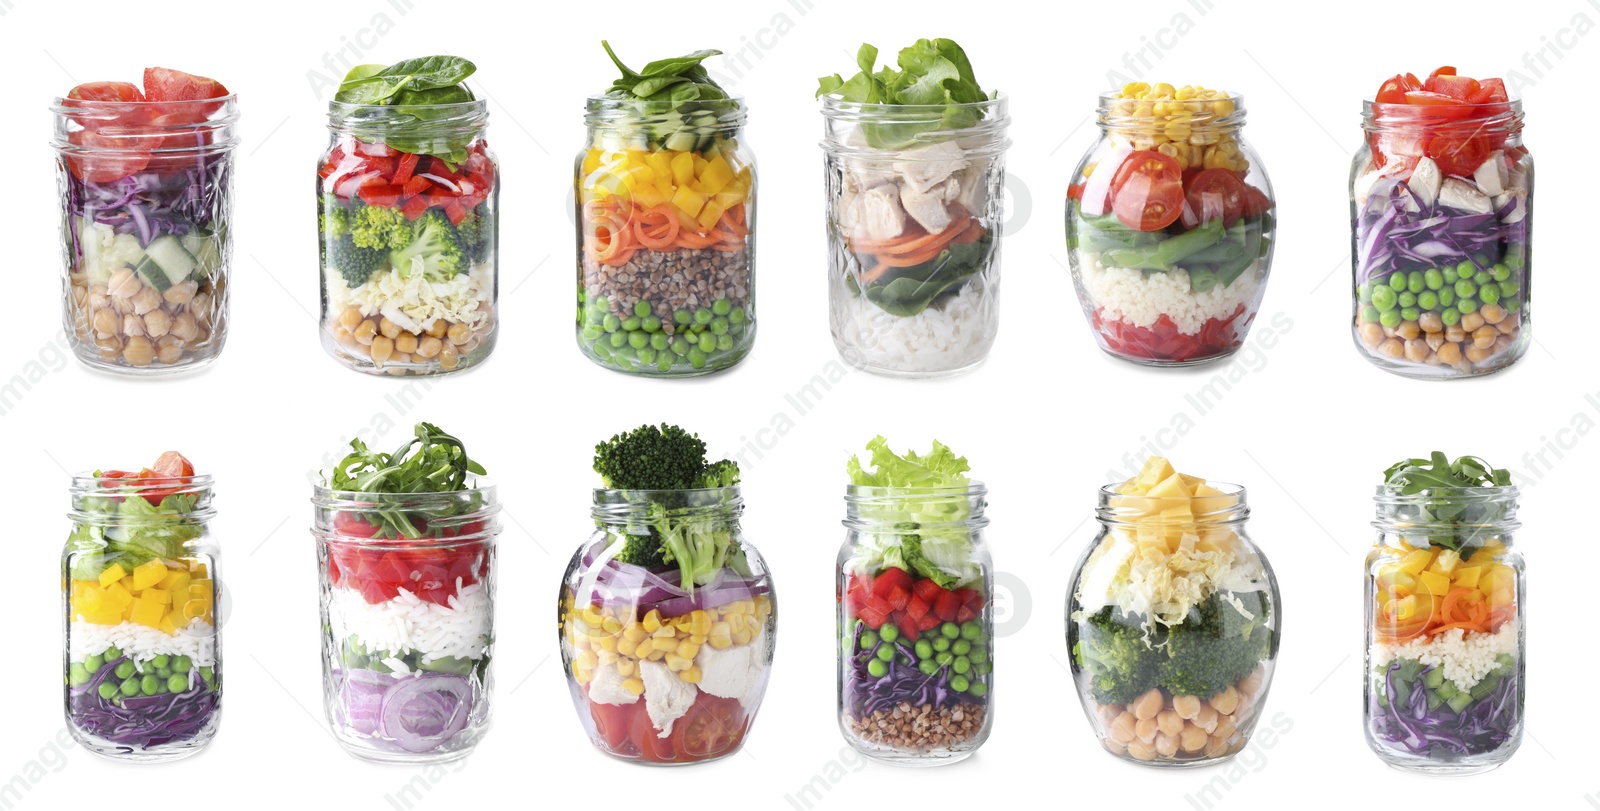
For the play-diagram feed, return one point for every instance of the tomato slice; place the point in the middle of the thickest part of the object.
(1459, 154)
(1460, 88)
(1256, 201)
(1217, 193)
(1442, 70)
(172, 465)
(106, 91)
(1147, 191)
(1491, 91)
(613, 723)
(647, 739)
(1393, 90)
(711, 728)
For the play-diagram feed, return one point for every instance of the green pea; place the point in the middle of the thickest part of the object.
(1513, 305)
(600, 302)
(642, 309)
(680, 346)
(978, 656)
(972, 630)
(1447, 297)
(961, 647)
(978, 689)
(112, 654)
(647, 356)
(869, 640)
(78, 675)
(163, 672)
(1433, 278)
(107, 690)
(941, 644)
(632, 323)
(601, 349)
(737, 316)
(1466, 269)
(612, 323)
(1428, 300)
(1481, 278)
(1450, 276)
(1384, 298)
(651, 324)
(182, 664)
(924, 649)
(703, 315)
(719, 326)
(889, 632)
(1509, 288)
(721, 307)
(1515, 261)
(664, 363)
(1398, 281)
(697, 358)
(207, 674)
(1466, 288)
(149, 684)
(1450, 317)
(178, 683)
(961, 665)
(1490, 293)
(659, 341)
(124, 670)
(1415, 282)
(877, 668)
(129, 687)
(618, 339)
(681, 316)
(1501, 272)
(736, 329)
(638, 340)
(708, 342)
(1390, 319)
(591, 333)
(927, 666)
(1370, 314)
(1364, 292)
(1467, 305)
(94, 663)
(724, 343)
(1408, 299)
(960, 684)
(950, 630)
(1410, 314)
(944, 658)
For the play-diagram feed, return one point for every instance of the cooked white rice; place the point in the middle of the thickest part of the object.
(197, 640)
(1132, 296)
(408, 623)
(951, 334)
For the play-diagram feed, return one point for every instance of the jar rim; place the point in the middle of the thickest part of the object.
(464, 106)
(1233, 507)
(66, 104)
(833, 101)
(87, 483)
(323, 495)
(1390, 492)
(877, 492)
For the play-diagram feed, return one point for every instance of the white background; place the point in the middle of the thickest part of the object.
(1305, 423)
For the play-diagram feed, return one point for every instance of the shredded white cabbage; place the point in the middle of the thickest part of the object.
(415, 303)
(1147, 580)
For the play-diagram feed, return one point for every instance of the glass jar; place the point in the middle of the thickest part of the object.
(146, 203)
(1442, 268)
(1445, 638)
(1170, 226)
(1173, 625)
(916, 209)
(666, 669)
(407, 209)
(143, 658)
(407, 598)
(666, 208)
(916, 668)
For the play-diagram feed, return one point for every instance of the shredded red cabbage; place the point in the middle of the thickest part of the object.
(1389, 237)
(144, 721)
(865, 694)
(152, 203)
(1441, 734)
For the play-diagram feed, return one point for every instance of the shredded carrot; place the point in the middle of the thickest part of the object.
(1470, 626)
(615, 229)
(657, 228)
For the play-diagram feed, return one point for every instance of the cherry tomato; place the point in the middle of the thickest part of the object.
(647, 739)
(1459, 154)
(1217, 193)
(1147, 191)
(711, 728)
(106, 158)
(613, 723)
(1393, 91)
(1256, 202)
(172, 465)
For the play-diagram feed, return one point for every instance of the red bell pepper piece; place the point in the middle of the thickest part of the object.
(947, 606)
(404, 169)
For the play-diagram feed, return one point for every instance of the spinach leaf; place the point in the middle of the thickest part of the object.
(663, 74)
(906, 292)
(363, 85)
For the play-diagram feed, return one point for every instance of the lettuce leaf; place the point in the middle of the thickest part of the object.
(922, 535)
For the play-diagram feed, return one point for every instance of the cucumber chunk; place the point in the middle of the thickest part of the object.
(165, 263)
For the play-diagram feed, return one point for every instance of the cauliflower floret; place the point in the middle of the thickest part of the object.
(105, 251)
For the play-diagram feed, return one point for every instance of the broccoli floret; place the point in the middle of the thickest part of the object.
(333, 221)
(720, 474)
(384, 229)
(433, 249)
(642, 550)
(476, 233)
(651, 458)
(355, 263)
(1112, 650)
(1215, 646)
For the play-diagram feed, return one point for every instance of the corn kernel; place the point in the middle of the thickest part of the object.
(652, 621)
(657, 655)
(665, 632)
(611, 626)
(626, 667)
(691, 675)
(627, 647)
(606, 644)
(607, 657)
(634, 685)
(1134, 89)
(688, 649)
(645, 648)
(742, 637)
(720, 642)
(697, 639)
(635, 633)
(589, 618)
(676, 663)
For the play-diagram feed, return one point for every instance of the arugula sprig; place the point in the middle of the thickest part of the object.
(431, 461)
(1456, 521)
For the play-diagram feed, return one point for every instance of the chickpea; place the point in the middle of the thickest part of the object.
(1147, 705)
(1227, 727)
(180, 294)
(184, 326)
(1108, 713)
(1483, 337)
(458, 333)
(1122, 728)
(99, 296)
(1226, 701)
(1492, 313)
(132, 325)
(1216, 747)
(429, 348)
(365, 332)
(344, 337)
(1251, 684)
(1371, 334)
(1392, 348)
(406, 343)
(169, 349)
(1434, 340)
(470, 346)
(1408, 330)
(1478, 354)
(1417, 351)
(1167, 745)
(106, 322)
(350, 318)
(110, 345)
(381, 350)
(124, 284)
(1507, 326)
(1168, 722)
(139, 352)
(157, 323)
(121, 306)
(438, 328)
(390, 329)
(1450, 353)
(1431, 323)
(1192, 739)
(147, 300)
(1455, 334)
(1142, 751)
(397, 370)
(1207, 719)
(1187, 707)
(1471, 321)
(1113, 747)
(449, 359)
(1146, 730)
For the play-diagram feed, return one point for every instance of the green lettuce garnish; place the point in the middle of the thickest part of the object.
(922, 533)
(932, 72)
(130, 532)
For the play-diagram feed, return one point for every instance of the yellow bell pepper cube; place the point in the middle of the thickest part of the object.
(709, 215)
(682, 168)
(119, 596)
(1446, 562)
(112, 574)
(689, 201)
(148, 574)
(160, 596)
(194, 609)
(591, 161)
(1466, 577)
(700, 164)
(177, 582)
(649, 195)
(660, 163)
(1436, 584)
(728, 199)
(148, 613)
(716, 176)
(167, 626)
(1415, 562)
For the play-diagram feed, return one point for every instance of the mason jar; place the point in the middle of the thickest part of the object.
(666, 214)
(146, 194)
(915, 214)
(1173, 675)
(916, 639)
(408, 213)
(665, 668)
(1445, 638)
(143, 658)
(1441, 211)
(407, 602)
(1170, 226)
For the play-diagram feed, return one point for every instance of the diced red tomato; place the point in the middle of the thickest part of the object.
(907, 626)
(1490, 91)
(1163, 341)
(928, 623)
(970, 597)
(165, 84)
(947, 606)
(873, 617)
(899, 597)
(917, 608)
(888, 579)
(172, 464)
(1459, 154)
(106, 158)
(106, 91)
(352, 526)
(1460, 88)
(1393, 90)
(926, 589)
(1442, 70)
(652, 747)
(1075, 191)
(417, 185)
(879, 604)
(613, 723)
(965, 614)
